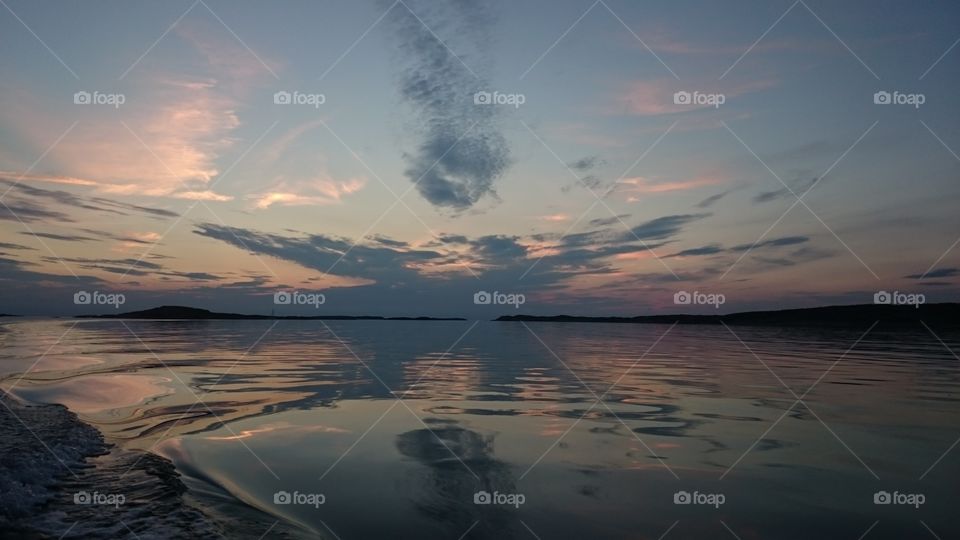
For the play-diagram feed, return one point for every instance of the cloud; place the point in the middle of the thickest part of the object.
(644, 186)
(498, 249)
(606, 222)
(938, 273)
(169, 137)
(714, 249)
(61, 237)
(29, 212)
(586, 164)
(387, 266)
(317, 192)
(166, 145)
(461, 152)
(158, 212)
(776, 242)
(147, 239)
(7, 245)
(320, 252)
(798, 187)
(133, 267)
(98, 204)
(554, 217)
(662, 227)
(711, 200)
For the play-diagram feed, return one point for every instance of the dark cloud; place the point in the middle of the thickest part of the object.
(133, 267)
(799, 187)
(453, 239)
(61, 237)
(709, 201)
(7, 245)
(589, 238)
(783, 241)
(97, 204)
(122, 267)
(606, 222)
(321, 252)
(498, 262)
(29, 212)
(499, 248)
(193, 276)
(62, 197)
(705, 250)
(97, 263)
(586, 164)
(935, 274)
(461, 152)
(795, 257)
(158, 212)
(119, 237)
(662, 227)
(386, 241)
(584, 167)
(775, 242)
(776, 261)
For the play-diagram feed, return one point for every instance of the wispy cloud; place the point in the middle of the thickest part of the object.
(169, 136)
(636, 186)
(317, 192)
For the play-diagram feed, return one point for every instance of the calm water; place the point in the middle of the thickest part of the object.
(250, 410)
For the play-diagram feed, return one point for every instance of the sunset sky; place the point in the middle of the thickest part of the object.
(397, 193)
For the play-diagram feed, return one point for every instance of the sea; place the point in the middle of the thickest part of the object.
(139, 429)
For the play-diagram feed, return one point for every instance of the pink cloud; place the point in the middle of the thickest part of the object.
(168, 138)
(554, 217)
(640, 184)
(317, 192)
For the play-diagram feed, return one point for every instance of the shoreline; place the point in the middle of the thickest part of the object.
(847, 316)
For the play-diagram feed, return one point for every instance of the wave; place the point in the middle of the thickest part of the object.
(60, 479)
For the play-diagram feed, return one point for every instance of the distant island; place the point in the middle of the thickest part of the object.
(190, 313)
(946, 314)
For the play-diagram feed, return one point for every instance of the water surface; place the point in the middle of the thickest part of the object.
(395, 426)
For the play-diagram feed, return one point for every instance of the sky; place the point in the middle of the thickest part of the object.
(407, 157)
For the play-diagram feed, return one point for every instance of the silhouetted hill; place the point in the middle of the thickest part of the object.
(947, 314)
(190, 313)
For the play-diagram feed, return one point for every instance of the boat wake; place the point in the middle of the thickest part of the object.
(60, 479)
